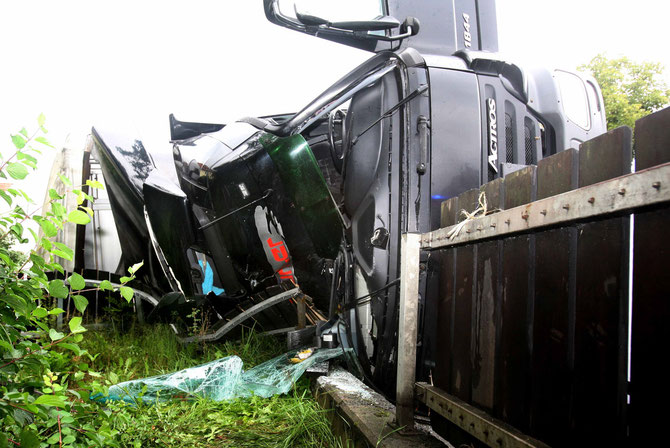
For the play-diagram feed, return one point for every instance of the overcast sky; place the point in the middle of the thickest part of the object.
(130, 63)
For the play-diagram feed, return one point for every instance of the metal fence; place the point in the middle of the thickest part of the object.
(526, 311)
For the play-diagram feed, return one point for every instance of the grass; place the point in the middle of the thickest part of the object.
(292, 420)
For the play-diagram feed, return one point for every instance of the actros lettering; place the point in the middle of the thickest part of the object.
(493, 134)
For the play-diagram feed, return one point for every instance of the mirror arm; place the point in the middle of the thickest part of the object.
(363, 34)
(398, 37)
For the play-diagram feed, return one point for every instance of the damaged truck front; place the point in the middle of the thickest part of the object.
(275, 209)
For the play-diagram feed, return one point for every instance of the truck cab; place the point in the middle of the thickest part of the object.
(434, 112)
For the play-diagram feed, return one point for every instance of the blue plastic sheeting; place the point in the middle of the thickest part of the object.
(219, 380)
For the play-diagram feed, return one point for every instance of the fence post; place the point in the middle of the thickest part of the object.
(407, 329)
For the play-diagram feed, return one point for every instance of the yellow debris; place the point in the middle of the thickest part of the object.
(301, 356)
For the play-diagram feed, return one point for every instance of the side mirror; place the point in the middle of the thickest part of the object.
(358, 23)
(363, 28)
(384, 23)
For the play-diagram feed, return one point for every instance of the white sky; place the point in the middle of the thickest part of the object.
(567, 33)
(130, 63)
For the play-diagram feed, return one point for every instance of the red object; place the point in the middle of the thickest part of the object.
(278, 250)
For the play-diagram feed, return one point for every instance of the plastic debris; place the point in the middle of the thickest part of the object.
(208, 280)
(223, 379)
(301, 356)
(305, 354)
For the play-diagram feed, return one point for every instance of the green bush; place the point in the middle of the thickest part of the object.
(45, 379)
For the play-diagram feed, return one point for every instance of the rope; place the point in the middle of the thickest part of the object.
(481, 210)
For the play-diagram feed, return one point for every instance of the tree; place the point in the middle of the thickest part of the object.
(630, 90)
(7, 246)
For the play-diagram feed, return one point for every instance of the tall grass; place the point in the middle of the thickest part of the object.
(292, 420)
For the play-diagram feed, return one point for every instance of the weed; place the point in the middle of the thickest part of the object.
(199, 322)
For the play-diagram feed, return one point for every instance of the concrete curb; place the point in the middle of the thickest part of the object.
(363, 418)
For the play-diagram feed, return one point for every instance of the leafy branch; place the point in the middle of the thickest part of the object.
(55, 412)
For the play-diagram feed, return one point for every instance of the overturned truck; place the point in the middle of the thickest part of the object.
(271, 212)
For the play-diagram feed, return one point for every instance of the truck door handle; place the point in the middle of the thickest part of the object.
(422, 125)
